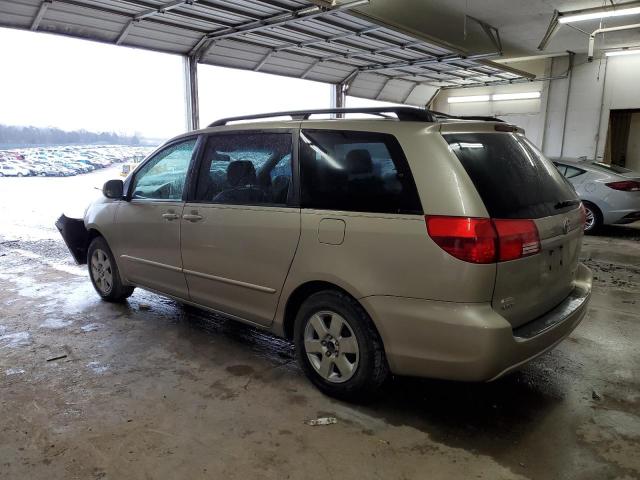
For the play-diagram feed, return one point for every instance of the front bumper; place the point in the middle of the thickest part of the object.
(76, 237)
(469, 342)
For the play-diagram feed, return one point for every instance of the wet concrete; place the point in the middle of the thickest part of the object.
(152, 389)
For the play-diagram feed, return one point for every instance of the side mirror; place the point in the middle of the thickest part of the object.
(113, 189)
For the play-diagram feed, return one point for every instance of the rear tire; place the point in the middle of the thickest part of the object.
(104, 273)
(594, 218)
(339, 348)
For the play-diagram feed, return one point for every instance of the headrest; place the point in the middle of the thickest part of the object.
(281, 181)
(359, 161)
(241, 173)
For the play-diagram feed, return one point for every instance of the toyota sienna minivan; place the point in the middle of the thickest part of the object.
(410, 244)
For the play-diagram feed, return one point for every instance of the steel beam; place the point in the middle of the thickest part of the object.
(406, 97)
(384, 85)
(166, 7)
(551, 31)
(190, 73)
(263, 61)
(125, 32)
(309, 68)
(420, 62)
(322, 40)
(41, 11)
(304, 13)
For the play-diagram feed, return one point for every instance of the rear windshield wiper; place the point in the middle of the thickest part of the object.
(566, 203)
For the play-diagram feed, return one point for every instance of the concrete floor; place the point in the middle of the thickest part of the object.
(151, 389)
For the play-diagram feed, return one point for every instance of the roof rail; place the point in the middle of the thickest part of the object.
(446, 116)
(404, 114)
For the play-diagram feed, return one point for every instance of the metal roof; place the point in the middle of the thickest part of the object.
(310, 39)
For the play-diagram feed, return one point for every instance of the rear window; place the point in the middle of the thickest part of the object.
(513, 178)
(356, 171)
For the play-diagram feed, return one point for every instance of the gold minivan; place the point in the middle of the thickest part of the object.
(410, 244)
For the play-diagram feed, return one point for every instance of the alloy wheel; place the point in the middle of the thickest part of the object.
(590, 219)
(101, 271)
(331, 346)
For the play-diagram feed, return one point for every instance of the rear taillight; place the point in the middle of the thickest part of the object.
(484, 240)
(625, 186)
(469, 239)
(517, 239)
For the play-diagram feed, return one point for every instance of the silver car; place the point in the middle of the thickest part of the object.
(610, 193)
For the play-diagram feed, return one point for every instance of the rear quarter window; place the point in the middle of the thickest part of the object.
(512, 177)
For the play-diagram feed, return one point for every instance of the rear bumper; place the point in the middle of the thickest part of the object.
(629, 218)
(469, 342)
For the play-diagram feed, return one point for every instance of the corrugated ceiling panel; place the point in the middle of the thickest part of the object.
(17, 14)
(287, 37)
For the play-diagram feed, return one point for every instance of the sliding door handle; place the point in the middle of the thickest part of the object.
(194, 217)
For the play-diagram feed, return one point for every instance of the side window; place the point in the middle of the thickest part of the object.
(356, 171)
(246, 169)
(573, 172)
(561, 168)
(164, 176)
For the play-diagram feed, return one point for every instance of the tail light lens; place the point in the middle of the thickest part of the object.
(625, 186)
(469, 239)
(484, 240)
(517, 239)
(583, 215)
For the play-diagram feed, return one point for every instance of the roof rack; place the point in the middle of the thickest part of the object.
(446, 116)
(404, 114)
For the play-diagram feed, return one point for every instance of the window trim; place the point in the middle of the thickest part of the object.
(401, 158)
(567, 167)
(293, 199)
(128, 187)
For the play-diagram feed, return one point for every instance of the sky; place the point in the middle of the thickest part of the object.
(71, 84)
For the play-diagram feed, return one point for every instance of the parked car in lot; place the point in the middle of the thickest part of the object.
(610, 193)
(12, 170)
(68, 160)
(379, 246)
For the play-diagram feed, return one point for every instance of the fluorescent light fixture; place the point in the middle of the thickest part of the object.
(496, 97)
(515, 96)
(618, 53)
(618, 12)
(470, 98)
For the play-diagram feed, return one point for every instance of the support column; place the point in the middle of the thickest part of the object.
(190, 73)
(339, 97)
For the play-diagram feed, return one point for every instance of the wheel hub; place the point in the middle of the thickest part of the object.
(331, 346)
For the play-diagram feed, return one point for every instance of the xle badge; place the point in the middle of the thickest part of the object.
(507, 303)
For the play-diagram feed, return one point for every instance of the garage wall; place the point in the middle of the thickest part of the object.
(592, 90)
(633, 147)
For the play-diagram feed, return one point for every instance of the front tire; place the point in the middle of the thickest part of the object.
(338, 347)
(104, 273)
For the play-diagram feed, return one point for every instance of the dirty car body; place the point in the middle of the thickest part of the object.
(380, 246)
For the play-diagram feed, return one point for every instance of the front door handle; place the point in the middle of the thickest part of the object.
(170, 216)
(194, 217)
